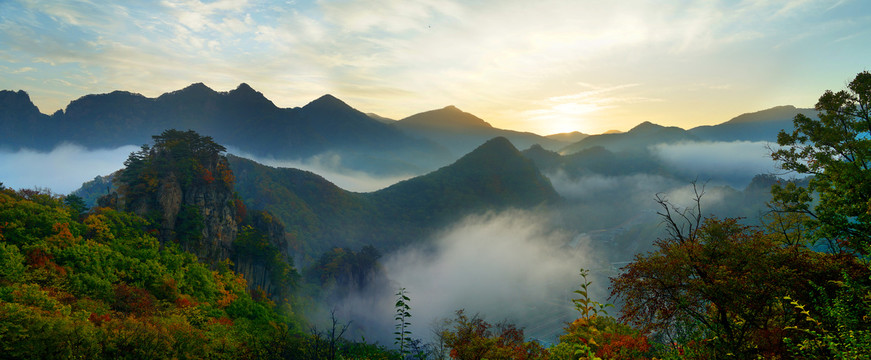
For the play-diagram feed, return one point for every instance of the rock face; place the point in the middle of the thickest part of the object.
(184, 185)
(259, 268)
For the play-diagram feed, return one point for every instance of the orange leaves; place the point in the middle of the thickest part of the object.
(225, 174)
(241, 210)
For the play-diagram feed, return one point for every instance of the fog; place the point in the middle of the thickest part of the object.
(61, 170)
(331, 167)
(734, 163)
(513, 265)
(522, 266)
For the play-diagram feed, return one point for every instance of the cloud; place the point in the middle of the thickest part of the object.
(734, 163)
(329, 166)
(61, 170)
(497, 59)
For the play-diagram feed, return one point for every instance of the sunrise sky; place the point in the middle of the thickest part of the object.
(542, 66)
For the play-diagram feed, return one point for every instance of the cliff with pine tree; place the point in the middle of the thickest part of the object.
(183, 185)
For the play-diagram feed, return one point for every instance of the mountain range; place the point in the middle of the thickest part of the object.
(492, 177)
(248, 123)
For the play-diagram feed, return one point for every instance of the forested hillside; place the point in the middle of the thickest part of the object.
(321, 215)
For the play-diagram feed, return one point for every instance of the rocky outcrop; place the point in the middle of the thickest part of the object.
(184, 185)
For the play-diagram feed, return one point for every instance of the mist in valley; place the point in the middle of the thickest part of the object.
(61, 170)
(522, 265)
(331, 166)
(519, 266)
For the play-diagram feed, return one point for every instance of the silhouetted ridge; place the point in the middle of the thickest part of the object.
(646, 126)
(772, 114)
(17, 103)
(638, 139)
(495, 175)
(449, 117)
(196, 88)
(245, 95)
(756, 126)
(328, 102)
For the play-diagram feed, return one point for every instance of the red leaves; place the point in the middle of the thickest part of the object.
(133, 300)
(622, 346)
(98, 320)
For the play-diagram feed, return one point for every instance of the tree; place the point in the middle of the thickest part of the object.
(76, 204)
(476, 339)
(836, 151)
(717, 287)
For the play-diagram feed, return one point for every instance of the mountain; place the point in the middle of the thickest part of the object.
(241, 118)
(462, 132)
(320, 215)
(20, 120)
(380, 118)
(638, 139)
(184, 186)
(570, 137)
(595, 160)
(495, 175)
(757, 126)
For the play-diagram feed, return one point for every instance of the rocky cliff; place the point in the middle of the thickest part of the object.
(183, 184)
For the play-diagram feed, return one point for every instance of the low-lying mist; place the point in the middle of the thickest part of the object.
(733, 163)
(514, 265)
(330, 166)
(522, 266)
(61, 170)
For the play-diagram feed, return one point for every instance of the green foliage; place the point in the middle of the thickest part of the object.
(104, 287)
(586, 306)
(832, 326)
(836, 150)
(251, 244)
(189, 226)
(403, 334)
(12, 268)
(344, 267)
(76, 204)
(595, 335)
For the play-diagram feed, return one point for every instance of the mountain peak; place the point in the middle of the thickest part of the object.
(499, 143)
(245, 88)
(447, 118)
(327, 100)
(16, 102)
(247, 94)
(197, 87)
(646, 126)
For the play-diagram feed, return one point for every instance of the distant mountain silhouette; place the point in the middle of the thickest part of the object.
(494, 176)
(380, 118)
(241, 118)
(757, 126)
(462, 132)
(638, 139)
(569, 137)
(595, 160)
(21, 121)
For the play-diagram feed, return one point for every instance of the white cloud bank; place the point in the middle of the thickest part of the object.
(61, 170)
(508, 266)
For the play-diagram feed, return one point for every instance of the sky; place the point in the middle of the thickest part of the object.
(543, 66)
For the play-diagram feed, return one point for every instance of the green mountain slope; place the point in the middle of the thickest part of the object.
(321, 216)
